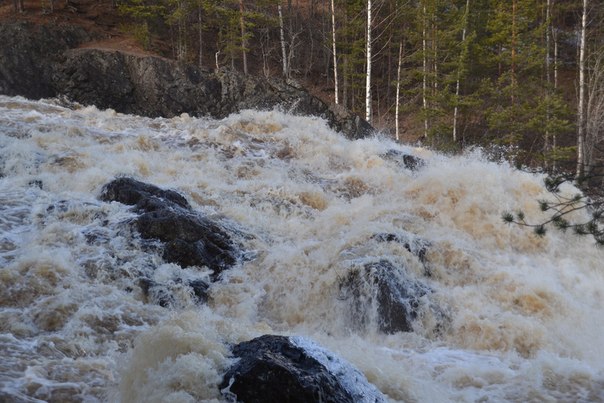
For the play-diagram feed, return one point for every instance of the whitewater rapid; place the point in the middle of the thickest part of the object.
(523, 314)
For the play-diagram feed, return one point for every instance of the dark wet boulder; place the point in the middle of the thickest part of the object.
(188, 238)
(130, 191)
(293, 369)
(386, 290)
(404, 160)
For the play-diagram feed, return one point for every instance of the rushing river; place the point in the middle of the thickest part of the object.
(521, 318)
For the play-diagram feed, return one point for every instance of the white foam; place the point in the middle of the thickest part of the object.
(351, 379)
(304, 202)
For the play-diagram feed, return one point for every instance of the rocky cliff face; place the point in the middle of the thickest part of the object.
(42, 61)
(28, 55)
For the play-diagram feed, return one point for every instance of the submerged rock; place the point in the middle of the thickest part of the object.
(385, 289)
(293, 369)
(188, 238)
(404, 160)
(162, 294)
(413, 244)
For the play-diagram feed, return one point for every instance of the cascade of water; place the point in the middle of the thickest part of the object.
(496, 312)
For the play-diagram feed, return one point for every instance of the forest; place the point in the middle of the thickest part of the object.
(523, 79)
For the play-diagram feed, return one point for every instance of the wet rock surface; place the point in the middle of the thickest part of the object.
(404, 160)
(416, 246)
(162, 294)
(188, 238)
(287, 369)
(28, 54)
(132, 192)
(386, 289)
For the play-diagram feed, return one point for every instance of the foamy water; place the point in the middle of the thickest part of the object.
(519, 317)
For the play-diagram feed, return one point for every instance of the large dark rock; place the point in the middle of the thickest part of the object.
(43, 62)
(188, 238)
(132, 192)
(386, 289)
(292, 369)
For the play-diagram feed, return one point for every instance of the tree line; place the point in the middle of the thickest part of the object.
(524, 77)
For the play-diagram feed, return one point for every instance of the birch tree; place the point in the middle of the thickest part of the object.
(282, 37)
(243, 36)
(200, 32)
(425, 68)
(368, 71)
(398, 91)
(461, 60)
(335, 54)
(581, 104)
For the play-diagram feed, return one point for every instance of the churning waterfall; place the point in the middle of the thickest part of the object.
(495, 312)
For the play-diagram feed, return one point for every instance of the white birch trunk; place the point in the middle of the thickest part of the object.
(398, 90)
(581, 105)
(368, 73)
(457, 84)
(335, 55)
(243, 39)
(554, 139)
(282, 34)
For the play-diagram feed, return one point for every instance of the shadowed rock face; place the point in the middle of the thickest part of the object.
(43, 62)
(385, 287)
(188, 238)
(276, 369)
(29, 53)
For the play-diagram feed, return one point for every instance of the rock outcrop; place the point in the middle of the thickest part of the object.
(28, 55)
(189, 239)
(44, 61)
(183, 236)
(384, 296)
(292, 369)
(382, 288)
